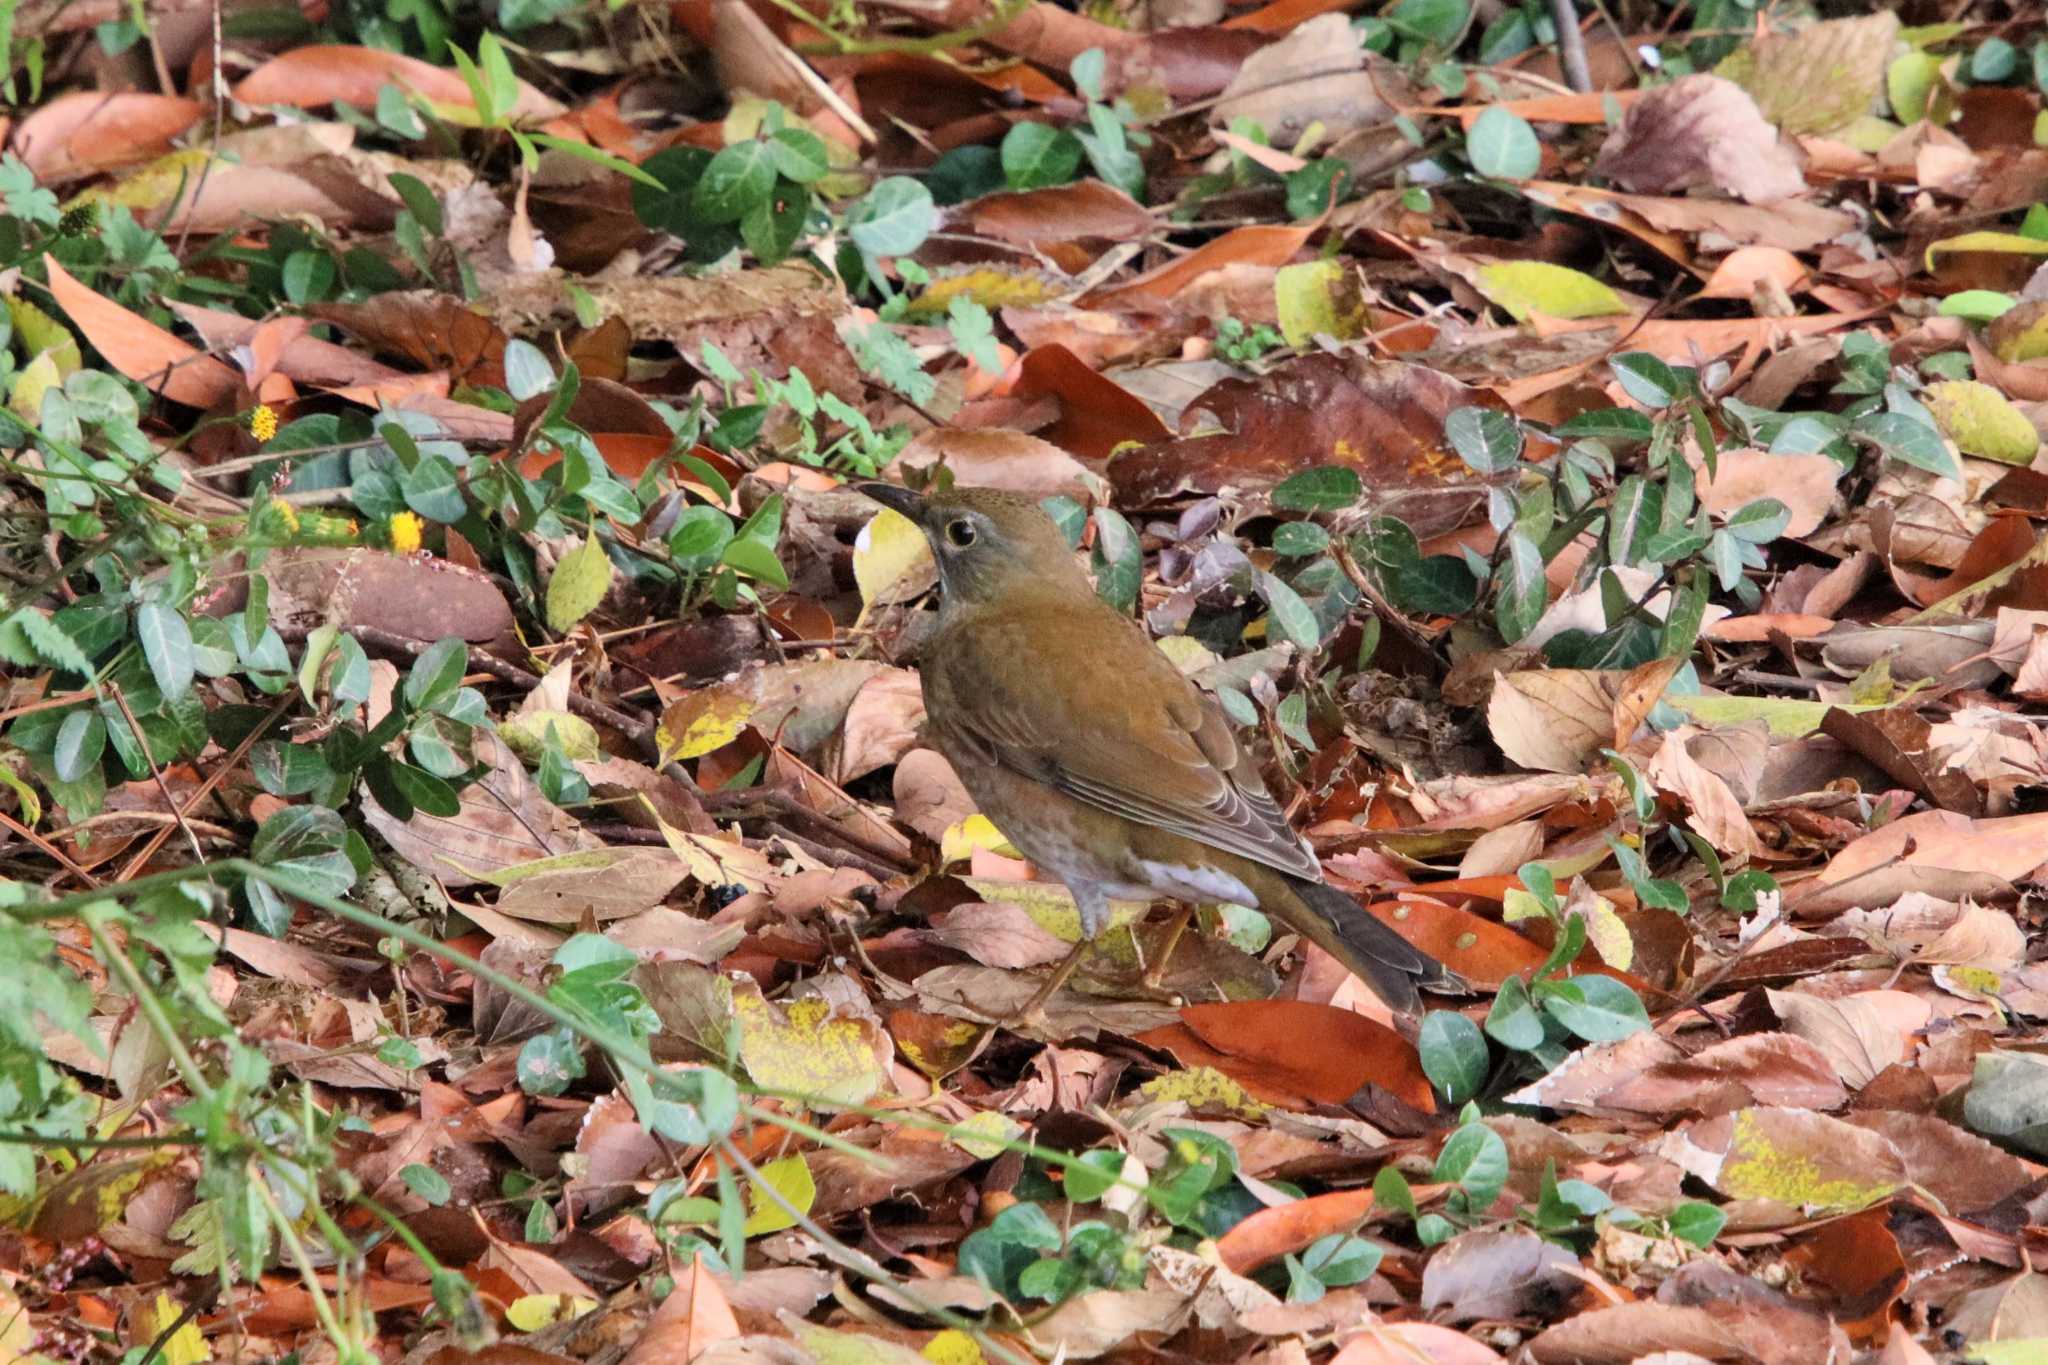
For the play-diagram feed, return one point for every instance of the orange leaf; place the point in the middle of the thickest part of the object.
(1272, 1233)
(1318, 1051)
(141, 350)
(308, 76)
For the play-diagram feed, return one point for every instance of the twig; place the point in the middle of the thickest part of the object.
(135, 729)
(1571, 46)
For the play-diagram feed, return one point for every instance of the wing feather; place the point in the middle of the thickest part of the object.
(1124, 732)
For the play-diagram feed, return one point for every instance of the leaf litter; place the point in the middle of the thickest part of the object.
(476, 886)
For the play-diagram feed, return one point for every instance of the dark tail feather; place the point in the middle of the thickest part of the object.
(1390, 964)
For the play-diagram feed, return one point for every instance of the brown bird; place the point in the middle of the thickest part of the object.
(1098, 760)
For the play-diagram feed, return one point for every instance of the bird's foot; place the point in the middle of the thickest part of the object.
(1155, 971)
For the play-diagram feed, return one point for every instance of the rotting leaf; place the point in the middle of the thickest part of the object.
(806, 1048)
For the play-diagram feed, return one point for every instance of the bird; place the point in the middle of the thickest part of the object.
(1099, 761)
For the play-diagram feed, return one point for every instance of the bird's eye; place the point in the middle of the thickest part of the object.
(960, 533)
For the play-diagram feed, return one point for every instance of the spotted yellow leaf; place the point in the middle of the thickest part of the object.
(1980, 420)
(701, 722)
(806, 1049)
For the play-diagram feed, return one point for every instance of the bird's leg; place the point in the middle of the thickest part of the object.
(1034, 1009)
(1155, 974)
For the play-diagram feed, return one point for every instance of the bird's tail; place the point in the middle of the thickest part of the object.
(1378, 956)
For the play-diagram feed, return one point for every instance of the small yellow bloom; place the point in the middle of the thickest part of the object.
(405, 532)
(263, 421)
(286, 513)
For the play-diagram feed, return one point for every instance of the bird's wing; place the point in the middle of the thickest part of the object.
(1086, 704)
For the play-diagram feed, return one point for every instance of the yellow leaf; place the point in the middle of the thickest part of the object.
(1916, 90)
(531, 1312)
(1189, 655)
(2005, 243)
(986, 1135)
(155, 185)
(1319, 297)
(579, 583)
(1525, 288)
(952, 1347)
(1051, 906)
(702, 722)
(788, 1176)
(1981, 422)
(1203, 1087)
(1788, 718)
(714, 862)
(37, 378)
(975, 832)
(1608, 935)
(2021, 332)
(892, 561)
(42, 334)
(1518, 905)
(807, 1050)
(186, 1345)
(527, 735)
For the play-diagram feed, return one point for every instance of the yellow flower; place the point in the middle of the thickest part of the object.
(405, 532)
(286, 513)
(263, 421)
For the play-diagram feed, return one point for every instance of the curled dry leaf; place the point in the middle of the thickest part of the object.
(1700, 130)
(1382, 419)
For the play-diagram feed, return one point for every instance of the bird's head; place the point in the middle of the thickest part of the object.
(988, 543)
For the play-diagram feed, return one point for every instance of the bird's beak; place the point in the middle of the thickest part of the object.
(895, 497)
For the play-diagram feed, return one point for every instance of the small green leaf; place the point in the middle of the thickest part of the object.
(1454, 1054)
(1038, 155)
(739, 177)
(166, 641)
(1326, 489)
(580, 581)
(1503, 145)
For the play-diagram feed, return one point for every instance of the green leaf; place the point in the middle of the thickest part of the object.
(527, 373)
(699, 536)
(1097, 1173)
(1523, 590)
(166, 641)
(1697, 1223)
(1326, 489)
(1598, 1009)
(739, 177)
(51, 641)
(307, 846)
(1607, 424)
(1038, 155)
(81, 739)
(1454, 1054)
(757, 561)
(1291, 618)
(1759, 522)
(1648, 379)
(436, 673)
(1488, 441)
(800, 155)
(428, 1183)
(1909, 441)
(1476, 1161)
(1297, 539)
(1512, 1020)
(432, 490)
(425, 791)
(1503, 145)
(1119, 560)
(893, 218)
(580, 581)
